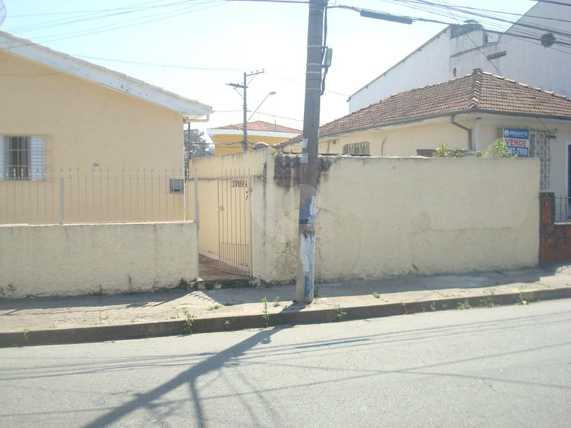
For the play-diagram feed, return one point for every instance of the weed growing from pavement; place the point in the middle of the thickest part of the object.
(276, 302)
(266, 312)
(188, 322)
(339, 313)
(464, 305)
(214, 307)
(376, 295)
(489, 301)
(522, 299)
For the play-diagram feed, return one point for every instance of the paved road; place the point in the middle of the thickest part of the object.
(501, 367)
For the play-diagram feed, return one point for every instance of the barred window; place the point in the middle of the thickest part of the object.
(22, 158)
(18, 158)
(357, 149)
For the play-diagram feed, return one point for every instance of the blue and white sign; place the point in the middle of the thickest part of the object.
(517, 141)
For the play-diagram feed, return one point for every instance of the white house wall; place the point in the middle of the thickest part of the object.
(443, 58)
(412, 72)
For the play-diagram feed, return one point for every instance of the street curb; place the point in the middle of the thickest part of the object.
(288, 316)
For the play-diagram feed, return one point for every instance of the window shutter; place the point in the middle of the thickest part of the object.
(2, 157)
(37, 158)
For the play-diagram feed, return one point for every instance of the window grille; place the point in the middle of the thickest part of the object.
(357, 149)
(176, 185)
(22, 158)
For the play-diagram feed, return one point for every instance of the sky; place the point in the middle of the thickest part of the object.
(212, 42)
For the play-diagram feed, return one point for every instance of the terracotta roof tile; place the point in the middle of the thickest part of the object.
(260, 125)
(480, 91)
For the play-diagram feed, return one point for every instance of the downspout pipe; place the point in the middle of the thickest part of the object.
(465, 128)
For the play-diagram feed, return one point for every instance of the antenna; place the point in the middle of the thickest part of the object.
(2, 12)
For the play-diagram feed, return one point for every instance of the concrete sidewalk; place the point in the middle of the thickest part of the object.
(92, 318)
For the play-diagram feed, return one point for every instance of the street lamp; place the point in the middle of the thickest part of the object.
(260, 105)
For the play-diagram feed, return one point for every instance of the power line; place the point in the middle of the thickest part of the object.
(152, 64)
(483, 15)
(79, 12)
(97, 16)
(187, 10)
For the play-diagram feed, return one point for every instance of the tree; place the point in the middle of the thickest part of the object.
(195, 145)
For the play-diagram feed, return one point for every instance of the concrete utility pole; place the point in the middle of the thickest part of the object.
(310, 166)
(244, 87)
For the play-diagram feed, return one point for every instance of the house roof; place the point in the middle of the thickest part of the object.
(102, 76)
(260, 125)
(478, 92)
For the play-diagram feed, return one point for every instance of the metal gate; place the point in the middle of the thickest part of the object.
(234, 222)
(223, 208)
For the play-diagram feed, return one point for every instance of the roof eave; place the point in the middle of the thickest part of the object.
(447, 114)
(102, 76)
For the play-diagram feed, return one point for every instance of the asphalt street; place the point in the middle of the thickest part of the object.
(493, 367)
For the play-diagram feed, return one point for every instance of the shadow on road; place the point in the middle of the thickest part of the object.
(190, 376)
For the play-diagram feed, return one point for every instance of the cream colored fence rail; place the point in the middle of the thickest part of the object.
(75, 196)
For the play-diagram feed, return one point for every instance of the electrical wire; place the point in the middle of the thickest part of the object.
(153, 64)
(181, 12)
(98, 16)
(475, 13)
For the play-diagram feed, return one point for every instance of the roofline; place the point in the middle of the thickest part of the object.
(447, 114)
(102, 76)
(223, 131)
(400, 62)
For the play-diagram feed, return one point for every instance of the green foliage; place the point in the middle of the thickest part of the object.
(340, 314)
(188, 322)
(443, 151)
(498, 150)
(195, 145)
(464, 305)
(266, 312)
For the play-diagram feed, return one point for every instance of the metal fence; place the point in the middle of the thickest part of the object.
(562, 209)
(101, 196)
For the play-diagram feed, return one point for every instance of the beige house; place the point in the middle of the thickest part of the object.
(98, 130)
(468, 113)
(228, 139)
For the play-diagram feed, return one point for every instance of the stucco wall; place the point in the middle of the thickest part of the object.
(380, 217)
(85, 259)
(90, 132)
(401, 141)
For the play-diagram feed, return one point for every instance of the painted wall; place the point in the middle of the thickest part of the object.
(444, 58)
(232, 144)
(88, 130)
(379, 217)
(85, 259)
(405, 75)
(401, 141)
(405, 140)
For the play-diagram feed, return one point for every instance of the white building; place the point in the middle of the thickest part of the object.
(457, 50)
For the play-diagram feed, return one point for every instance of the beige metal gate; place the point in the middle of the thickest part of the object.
(225, 219)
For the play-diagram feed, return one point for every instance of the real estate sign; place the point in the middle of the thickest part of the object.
(517, 141)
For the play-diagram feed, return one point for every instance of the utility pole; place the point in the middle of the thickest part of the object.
(310, 165)
(244, 87)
